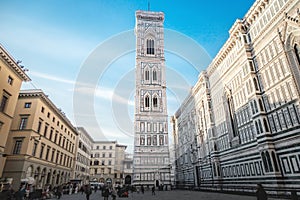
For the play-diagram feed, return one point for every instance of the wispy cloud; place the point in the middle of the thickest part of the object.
(51, 77)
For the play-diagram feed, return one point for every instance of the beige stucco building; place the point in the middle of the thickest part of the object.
(241, 121)
(11, 77)
(42, 142)
(83, 156)
(106, 164)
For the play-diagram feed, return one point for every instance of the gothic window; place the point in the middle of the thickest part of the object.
(154, 73)
(155, 140)
(255, 106)
(147, 101)
(260, 126)
(155, 104)
(142, 140)
(255, 84)
(297, 52)
(150, 47)
(161, 140)
(256, 126)
(275, 162)
(148, 140)
(266, 125)
(261, 107)
(147, 75)
(265, 161)
(269, 161)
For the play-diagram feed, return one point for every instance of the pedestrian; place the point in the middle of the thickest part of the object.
(142, 189)
(20, 194)
(105, 194)
(82, 189)
(153, 190)
(59, 191)
(113, 193)
(261, 194)
(294, 195)
(88, 192)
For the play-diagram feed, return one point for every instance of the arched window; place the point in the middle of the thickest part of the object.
(261, 107)
(252, 109)
(96, 162)
(256, 126)
(251, 66)
(275, 162)
(150, 46)
(147, 102)
(255, 84)
(155, 103)
(255, 107)
(269, 161)
(154, 74)
(265, 161)
(260, 126)
(147, 75)
(266, 125)
(297, 52)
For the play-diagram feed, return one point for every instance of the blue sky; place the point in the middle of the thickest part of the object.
(55, 40)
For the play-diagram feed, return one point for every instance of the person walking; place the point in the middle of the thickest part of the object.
(113, 193)
(105, 194)
(153, 190)
(88, 192)
(142, 189)
(261, 194)
(59, 191)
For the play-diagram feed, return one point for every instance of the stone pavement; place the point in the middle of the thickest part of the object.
(166, 195)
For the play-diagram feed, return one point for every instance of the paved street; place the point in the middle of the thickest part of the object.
(167, 195)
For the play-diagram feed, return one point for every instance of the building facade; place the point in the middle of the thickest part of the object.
(119, 164)
(83, 156)
(128, 168)
(41, 144)
(151, 150)
(106, 162)
(247, 117)
(11, 77)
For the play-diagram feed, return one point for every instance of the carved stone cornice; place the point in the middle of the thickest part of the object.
(8, 59)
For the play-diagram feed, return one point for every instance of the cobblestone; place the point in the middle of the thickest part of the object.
(166, 195)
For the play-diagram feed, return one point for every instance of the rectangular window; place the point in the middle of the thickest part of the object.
(39, 126)
(27, 105)
(104, 147)
(42, 109)
(18, 146)
(52, 156)
(42, 150)
(34, 148)
(103, 155)
(47, 153)
(3, 103)
(45, 130)
(23, 122)
(10, 80)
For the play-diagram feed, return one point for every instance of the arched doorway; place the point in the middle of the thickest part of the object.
(128, 180)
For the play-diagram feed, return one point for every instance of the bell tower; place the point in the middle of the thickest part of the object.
(151, 163)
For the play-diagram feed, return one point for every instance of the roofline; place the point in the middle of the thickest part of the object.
(39, 93)
(4, 54)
